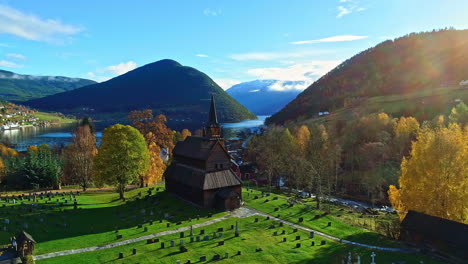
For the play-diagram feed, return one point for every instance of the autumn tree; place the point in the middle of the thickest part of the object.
(434, 179)
(2, 170)
(79, 157)
(122, 157)
(406, 129)
(145, 122)
(156, 167)
(185, 133)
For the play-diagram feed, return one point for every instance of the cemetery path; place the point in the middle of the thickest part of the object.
(129, 241)
(404, 250)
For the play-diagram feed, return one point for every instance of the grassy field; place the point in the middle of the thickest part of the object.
(340, 217)
(52, 117)
(252, 236)
(98, 216)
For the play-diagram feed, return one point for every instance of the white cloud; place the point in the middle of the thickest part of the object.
(342, 11)
(266, 56)
(254, 91)
(298, 76)
(104, 74)
(339, 38)
(347, 7)
(16, 56)
(226, 83)
(202, 55)
(122, 67)
(9, 64)
(212, 12)
(31, 27)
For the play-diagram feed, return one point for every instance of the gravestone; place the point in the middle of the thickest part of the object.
(172, 243)
(298, 245)
(284, 239)
(134, 251)
(298, 237)
(323, 242)
(295, 230)
(283, 232)
(256, 220)
(182, 234)
(168, 225)
(267, 218)
(202, 258)
(329, 223)
(216, 257)
(258, 249)
(312, 243)
(121, 255)
(220, 229)
(162, 244)
(226, 255)
(221, 243)
(145, 229)
(156, 240)
(206, 238)
(281, 224)
(272, 227)
(119, 236)
(276, 209)
(202, 232)
(275, 233)
(197, 239)
(182, 242)
(239, 253)
(311, 234)
(149, 241)
(191, 239)
(301, 219)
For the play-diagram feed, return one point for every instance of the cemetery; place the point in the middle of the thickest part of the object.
(153, 226)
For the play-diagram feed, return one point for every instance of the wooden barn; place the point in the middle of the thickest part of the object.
(24, 244)
(437, 234)
(201, 169)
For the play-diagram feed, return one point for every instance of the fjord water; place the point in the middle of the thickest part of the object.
(61, 134)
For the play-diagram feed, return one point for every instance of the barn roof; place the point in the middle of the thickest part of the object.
(436, 228)
(197, 178)
(23, 237)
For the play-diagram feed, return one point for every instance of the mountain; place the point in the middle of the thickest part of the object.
(181, 93)
(419, 71)
(265, 97)
(19, 87)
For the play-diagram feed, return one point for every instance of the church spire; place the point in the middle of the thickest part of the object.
(212, 129)
(213, 118)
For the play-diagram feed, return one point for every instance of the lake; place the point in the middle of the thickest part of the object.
(61, 134)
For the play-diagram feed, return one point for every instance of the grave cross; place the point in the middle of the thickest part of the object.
(373, 255)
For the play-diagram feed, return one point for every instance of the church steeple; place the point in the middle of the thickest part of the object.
(213, 119)
(212, 129)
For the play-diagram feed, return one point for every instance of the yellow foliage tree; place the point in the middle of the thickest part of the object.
(434, 179)
(405, 129)
(156, 168)
(33, 149)
(7, 152)
(2, 170)
(302, 138)
(185, 133)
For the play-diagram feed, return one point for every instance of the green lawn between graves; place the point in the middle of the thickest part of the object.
(252, 236)
(97, 218)
(306, 209)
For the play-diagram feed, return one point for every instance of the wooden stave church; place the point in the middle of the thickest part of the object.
(201, 169)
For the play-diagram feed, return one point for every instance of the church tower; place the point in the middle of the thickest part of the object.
(212, 129)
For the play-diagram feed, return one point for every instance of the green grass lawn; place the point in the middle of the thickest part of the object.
(252, 235)
(98, 217)
(51, 117)
(339, 217)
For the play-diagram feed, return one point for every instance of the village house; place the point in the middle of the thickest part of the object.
(201, 169)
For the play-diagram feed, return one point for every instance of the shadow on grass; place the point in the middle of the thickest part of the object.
(85, 221)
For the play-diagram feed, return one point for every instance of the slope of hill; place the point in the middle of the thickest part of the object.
(181, 92)
(415, 63)
(19, 87)
(261, 97)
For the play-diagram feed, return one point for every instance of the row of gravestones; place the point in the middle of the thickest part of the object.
(201, 259)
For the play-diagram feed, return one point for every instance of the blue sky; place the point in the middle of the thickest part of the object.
(231, 41)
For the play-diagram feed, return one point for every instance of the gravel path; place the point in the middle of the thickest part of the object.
(239, 213)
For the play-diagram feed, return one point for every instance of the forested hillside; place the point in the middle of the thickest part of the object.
(19, 87)
(415, 63)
